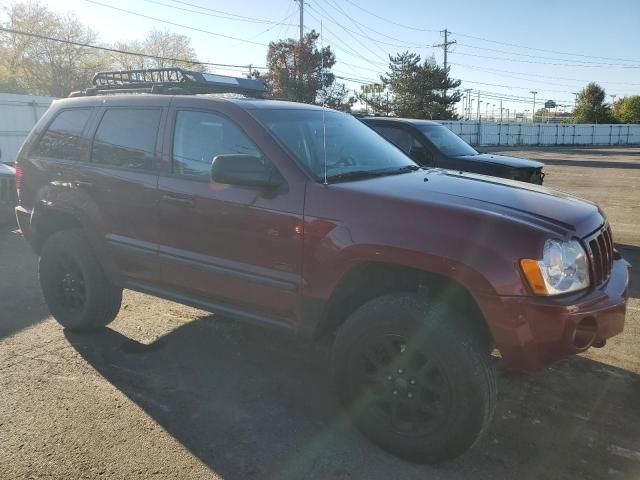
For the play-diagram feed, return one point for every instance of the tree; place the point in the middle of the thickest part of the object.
(336, 96)
(590, 107)
(157, 43)
(295, 70)
(418, 88)
(627, 109)
(30, 64)
(45, 67)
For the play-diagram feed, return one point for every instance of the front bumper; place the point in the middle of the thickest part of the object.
(531, 332)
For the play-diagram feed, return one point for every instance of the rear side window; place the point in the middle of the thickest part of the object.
(63, 139)
(126, 138)
(200, 136)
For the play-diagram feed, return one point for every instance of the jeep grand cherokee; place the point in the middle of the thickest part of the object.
(304, 218)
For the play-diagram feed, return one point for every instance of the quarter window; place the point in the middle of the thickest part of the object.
(63, 139)
(126, 138)
(200, 136)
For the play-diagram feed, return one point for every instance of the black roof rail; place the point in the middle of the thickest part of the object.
(171, 81)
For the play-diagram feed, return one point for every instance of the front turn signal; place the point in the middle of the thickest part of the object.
(531, 270)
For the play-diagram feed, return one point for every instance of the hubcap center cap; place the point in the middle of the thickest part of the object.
(401, 384)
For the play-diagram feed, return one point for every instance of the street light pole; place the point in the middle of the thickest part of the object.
(533, 114)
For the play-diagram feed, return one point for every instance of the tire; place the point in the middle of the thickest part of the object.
(79, 295)
(444, 382)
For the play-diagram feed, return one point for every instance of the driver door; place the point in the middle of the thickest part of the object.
(230, 246)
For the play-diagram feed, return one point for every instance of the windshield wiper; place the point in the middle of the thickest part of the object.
(357, 174)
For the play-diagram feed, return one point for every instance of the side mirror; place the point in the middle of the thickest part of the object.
(246, 170)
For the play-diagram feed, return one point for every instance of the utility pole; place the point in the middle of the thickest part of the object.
(501, 109)
(478, 105)
(445, 46)
(533, 115)
(468, 90)
(301, 3)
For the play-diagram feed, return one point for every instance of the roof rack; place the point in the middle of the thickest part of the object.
(171, 81)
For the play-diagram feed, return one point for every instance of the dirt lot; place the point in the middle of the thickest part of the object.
(170, 392)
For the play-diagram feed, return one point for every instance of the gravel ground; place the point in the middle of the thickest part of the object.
(170, 392)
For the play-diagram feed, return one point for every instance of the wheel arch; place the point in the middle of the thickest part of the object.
(367, 280)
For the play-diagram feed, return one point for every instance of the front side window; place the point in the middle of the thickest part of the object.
(201, 136)
(398, 136)
(446, 141)
(63, 139)
(126, 138)
(349, 147)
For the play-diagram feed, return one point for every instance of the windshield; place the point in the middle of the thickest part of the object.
(446, 141)
(351, 147)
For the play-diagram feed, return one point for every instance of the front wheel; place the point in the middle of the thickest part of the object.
(79, 295)
(413, 378)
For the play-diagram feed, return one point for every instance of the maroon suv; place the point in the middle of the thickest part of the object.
(292, 216)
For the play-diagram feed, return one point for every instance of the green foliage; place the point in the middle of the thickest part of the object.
(591, 107)
(296, 70)
(627, 109)
(42, 67)
(418, 88)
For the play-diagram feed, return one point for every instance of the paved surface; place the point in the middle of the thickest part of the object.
(169, 392)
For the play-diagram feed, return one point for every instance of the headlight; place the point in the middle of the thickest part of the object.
(564, 268)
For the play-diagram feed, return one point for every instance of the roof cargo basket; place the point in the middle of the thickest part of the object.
(171, 81)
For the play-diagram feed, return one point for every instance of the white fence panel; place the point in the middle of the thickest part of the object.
(513, 134)
(18, 114)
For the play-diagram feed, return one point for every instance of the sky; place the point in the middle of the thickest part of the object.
(504, 49)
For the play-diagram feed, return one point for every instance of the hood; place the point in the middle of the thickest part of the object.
(543, 207)
(512, 162)
(7, 170)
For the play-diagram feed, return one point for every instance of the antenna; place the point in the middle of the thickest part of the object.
(324, 97)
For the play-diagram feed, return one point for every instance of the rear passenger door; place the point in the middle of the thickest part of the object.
(122, 182)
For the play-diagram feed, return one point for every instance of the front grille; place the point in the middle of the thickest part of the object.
(8, 190)
(601, 254)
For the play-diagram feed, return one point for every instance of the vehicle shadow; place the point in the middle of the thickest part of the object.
(256, 403)
(21, 303)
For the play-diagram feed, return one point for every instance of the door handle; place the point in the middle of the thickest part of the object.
(180, 199)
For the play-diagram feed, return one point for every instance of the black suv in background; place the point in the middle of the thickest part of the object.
(433, 145)
(7, 191)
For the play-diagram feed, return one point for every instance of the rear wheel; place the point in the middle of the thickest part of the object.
(79, 295)
(413, 378)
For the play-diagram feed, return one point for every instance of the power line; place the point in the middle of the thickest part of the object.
(346, 30)
(220, 14)
(543, 63)
(582, 63)
(208, 9)
(543, 49)
(175, 24)
(125, 52)
(359, 25)
(391, 21)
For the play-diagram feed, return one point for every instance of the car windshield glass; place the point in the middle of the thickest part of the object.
(446, 141)
(353, 150)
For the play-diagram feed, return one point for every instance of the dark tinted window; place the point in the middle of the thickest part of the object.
(200, 136)
(126, 138)
(400, 137)
(63, 139)
(446, 141)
